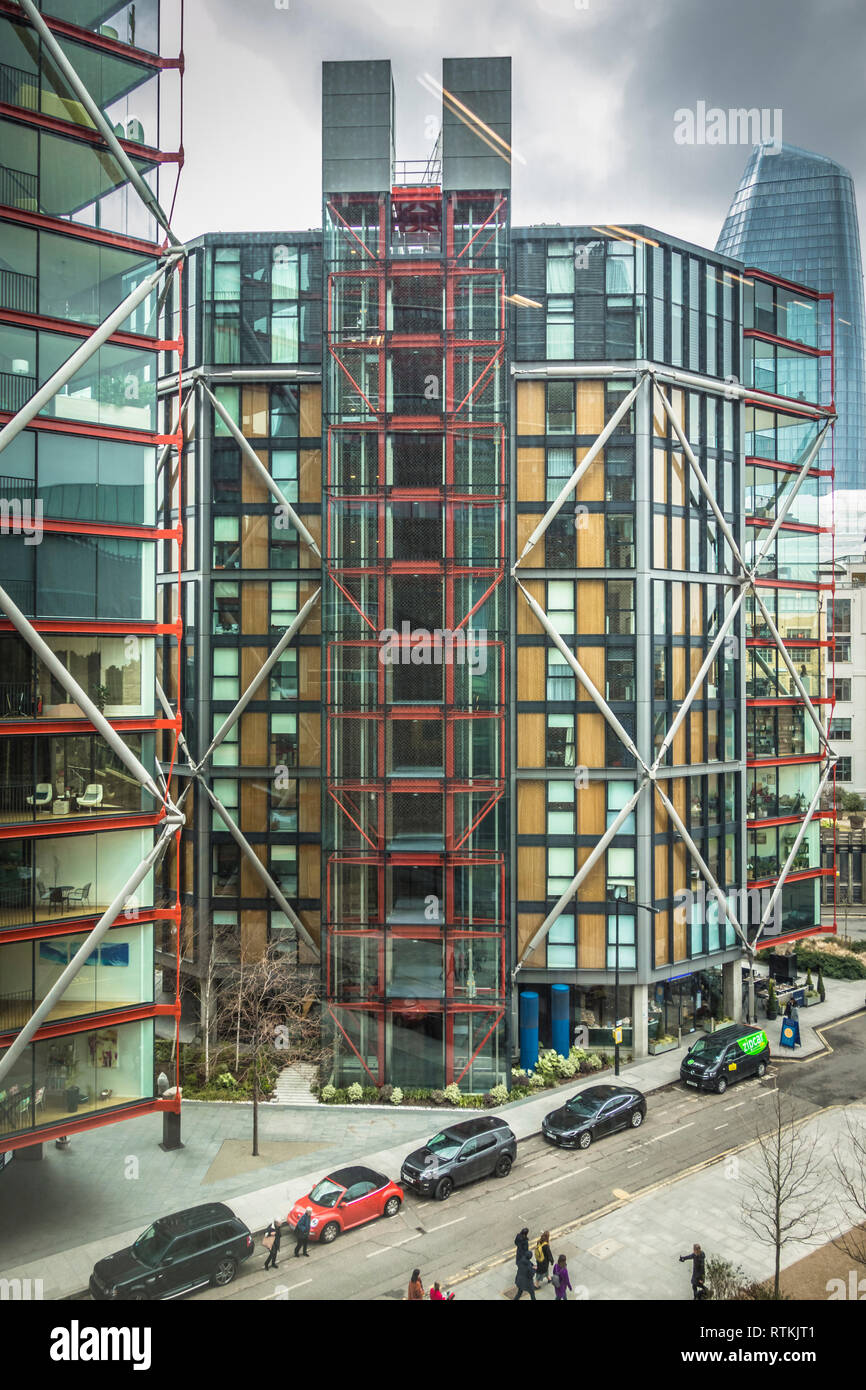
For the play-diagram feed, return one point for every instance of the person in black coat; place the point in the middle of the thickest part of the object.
(525, 1277)
(273, 1230)
(521, 1244)
(302, 1232)
(699, 1269)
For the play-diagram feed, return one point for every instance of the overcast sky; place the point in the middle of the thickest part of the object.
(594, 95)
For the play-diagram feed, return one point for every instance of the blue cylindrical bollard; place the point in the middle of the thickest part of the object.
(559, 1039)
(528, 1029)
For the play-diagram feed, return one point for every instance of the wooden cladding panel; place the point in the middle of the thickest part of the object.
(254, 606)
(530, 740)
(254, 542)
(309, 673)
(309, 738)
(309, 871)
(590, 740)
(530, 672)
(310, 477)
(527, 623)
(527, 925)
(253, 488)
(531, 475)
(254, 805)
(309, 804)
(593, 888)
(590, 606)
(310, 412)
(526, 524)
(662, 955)
(532, 873)
(251, 885)
(590, 541)
(591, 945)
(254, 740)
(531, 811)
(530, 407)
(591, 485)
(254, 934)
(590, 407)
(590, 802)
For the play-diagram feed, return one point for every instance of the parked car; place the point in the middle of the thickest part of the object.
(201, 1245)
(591, 1113)
(347, 1198)
(460, 1154)
(717, 1060)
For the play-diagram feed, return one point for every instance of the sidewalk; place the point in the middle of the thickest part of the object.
(631, 1252)
(60, 1215)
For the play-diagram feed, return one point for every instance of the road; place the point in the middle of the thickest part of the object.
(552, 1188)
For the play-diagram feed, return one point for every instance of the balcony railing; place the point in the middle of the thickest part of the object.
(19, 88)
(18, 292)
(19, 189)
(15, 390)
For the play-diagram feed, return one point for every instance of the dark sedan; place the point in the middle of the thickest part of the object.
(591, 1113)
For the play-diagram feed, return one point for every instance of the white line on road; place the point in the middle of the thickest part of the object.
(764, 1094)
(668, 1134)
(636, 1165)
(724, 1126)
(735, 1107)
(538, 1186)
(395, 1246)
(431, 1229)
(290, 1289)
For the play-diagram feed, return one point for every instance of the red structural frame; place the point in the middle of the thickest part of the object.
(790, 407)
(468, 367)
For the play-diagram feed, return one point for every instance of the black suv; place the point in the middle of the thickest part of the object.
(199, 1246)
(460, 1154)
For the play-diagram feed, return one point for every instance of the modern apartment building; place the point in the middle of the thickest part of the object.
(795, 216)
(77, 565)
(846, 690)
(549, 455)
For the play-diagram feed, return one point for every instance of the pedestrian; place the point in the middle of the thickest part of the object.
(521, 1243)
(416, 1288)
(699, 1269)
(524, 1278)
(302, 1232)
(560, 1279)
(543, 1259)
(788, 1007)
(274, 1249)
(437, 1296)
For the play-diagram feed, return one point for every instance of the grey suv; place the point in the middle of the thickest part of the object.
(178, 1253)
(460, 1154)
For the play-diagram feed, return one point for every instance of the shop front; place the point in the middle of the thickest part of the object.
(683, 1004)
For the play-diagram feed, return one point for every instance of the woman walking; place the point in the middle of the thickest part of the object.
(416, 1288)
(561, 1281)
(543, 1259)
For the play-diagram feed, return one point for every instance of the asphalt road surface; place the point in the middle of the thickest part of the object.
(550, 1187)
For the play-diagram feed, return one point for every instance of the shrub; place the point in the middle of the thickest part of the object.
(835, 967)
(809, 984)
(595, 1062)
(385, 1092)
(396, 1096)
(821, 990)
(724, 1280)
(355, 1091)
(577, 1055)
(226, 1080)
(452, 1093)
(536, 1081)
(327, 1093)
(498, 1095)
(438, 1097)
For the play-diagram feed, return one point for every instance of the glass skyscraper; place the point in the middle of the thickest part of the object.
(794, 215)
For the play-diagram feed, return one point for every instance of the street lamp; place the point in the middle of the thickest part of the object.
(620, 894)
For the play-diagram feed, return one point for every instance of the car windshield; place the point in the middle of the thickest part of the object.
(585, 1106)
(706, 1049)
(445, 1145)
(151, 1247)
(326, 1193)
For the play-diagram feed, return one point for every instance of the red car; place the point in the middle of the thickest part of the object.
(347, 1198)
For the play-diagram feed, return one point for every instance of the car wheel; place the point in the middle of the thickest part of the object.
(330, 1233)
(503, 1166)
(391, 1207)
(761, 1068)
(721, 1086)
(224, 1273)
(585, 1139)
(636, 1119)
(444, 1188)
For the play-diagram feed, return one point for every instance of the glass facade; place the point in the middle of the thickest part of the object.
(78, 555)
(795, 216)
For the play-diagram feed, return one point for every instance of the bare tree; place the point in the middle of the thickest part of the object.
(851, 1173)
(787, 1198)
(273, 1006)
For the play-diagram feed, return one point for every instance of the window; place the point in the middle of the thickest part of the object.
(560, 677)
(227, 754)
(619, 607)
(560, 808)
(227, 273)
(560, 740)
(560, 605)
(226, 543)
(284, 869)
(226, 870)
(840, 728)
(619, 541)
(284, 603)
(284, 740)
(843, 770)
(284, 470)
(560, 267)
(620, 673)
(225, 789)
(840, 689)
(842, 650)
(226, 685)
(560, 869)
(560, 328)
(560, 407)
(226, 608)
(560, 466)
(561, 949)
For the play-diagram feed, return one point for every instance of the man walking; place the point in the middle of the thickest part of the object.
(302, 1232)
(699, 1269)
(524, 1279)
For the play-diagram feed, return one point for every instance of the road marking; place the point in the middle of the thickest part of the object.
(735, 1107)
(290, 1289)
(678, 1130)
(764, 1094)
(724, 1126)
(549, 1183)
(636, 1165)
(431, 1229)
(395, 1246)
(621, 1193)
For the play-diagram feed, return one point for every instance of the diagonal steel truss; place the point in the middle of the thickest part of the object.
(744, 579)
